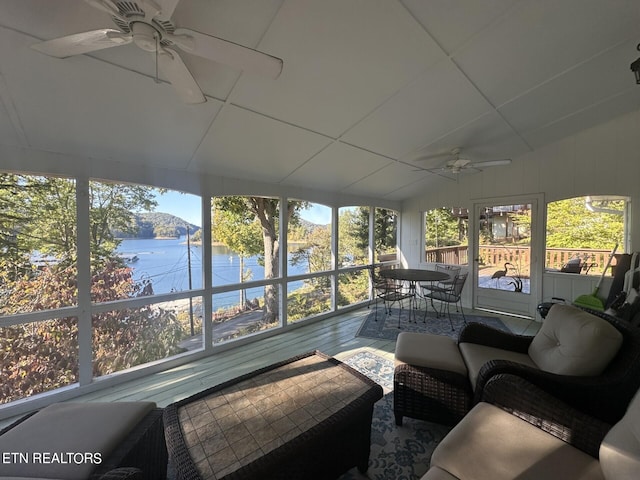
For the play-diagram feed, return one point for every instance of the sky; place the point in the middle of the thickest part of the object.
(188, 208)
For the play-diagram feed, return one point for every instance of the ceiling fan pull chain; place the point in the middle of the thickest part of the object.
(157, 48)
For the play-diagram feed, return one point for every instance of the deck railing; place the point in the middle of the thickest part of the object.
(456, 255)
(555, 258)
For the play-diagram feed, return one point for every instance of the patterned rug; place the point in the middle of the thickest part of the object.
(385, 327)
(401, 453)
(374, 366)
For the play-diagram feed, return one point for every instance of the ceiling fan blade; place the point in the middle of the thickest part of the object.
(228, 53)
(490, 163)
(171, 65)
(84, 42)
(431, 156)
(167, 7)
(106, 6)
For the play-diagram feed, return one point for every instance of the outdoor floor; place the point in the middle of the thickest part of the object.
(335, 336)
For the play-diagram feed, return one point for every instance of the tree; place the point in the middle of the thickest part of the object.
(442, 228)
(111, 208)
(352, 248)
(316, 252)
(40, 214)
(267, 212)
(241, 232)
(571, 225)
(15, 215)
(385, 230)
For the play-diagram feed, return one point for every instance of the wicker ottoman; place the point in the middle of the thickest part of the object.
(430, 380)
(308, 417)
(89, 440)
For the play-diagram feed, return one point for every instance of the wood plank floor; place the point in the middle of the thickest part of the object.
(335, 336)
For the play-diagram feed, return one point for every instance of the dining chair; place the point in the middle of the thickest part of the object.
(389, 291)
(448, 296)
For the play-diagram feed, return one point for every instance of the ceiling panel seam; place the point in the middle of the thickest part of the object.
(495, 109)
(14, 116)
(450, 56)
(584, 109)
(565, 71)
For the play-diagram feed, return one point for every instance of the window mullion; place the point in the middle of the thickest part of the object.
(85, 326)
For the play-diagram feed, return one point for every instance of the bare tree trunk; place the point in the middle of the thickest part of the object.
(266, 210)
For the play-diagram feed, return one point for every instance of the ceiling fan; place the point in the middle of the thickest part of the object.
(148, 24)
(458, 163)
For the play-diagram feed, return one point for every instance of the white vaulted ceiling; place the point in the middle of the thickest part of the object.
(372, 96)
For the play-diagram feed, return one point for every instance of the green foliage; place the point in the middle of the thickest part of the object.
(353, 288)
(353, 249)
(443, 229)
(111, 209)
(571, 225)
(307, 302)
(239, 230)
(40, 214)
(316, 251)
(267, 212)
(386, 230)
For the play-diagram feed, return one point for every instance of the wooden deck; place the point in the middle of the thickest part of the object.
(335, 336)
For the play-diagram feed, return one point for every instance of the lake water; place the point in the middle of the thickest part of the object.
(165, 262)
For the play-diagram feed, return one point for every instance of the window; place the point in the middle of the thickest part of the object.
(125, 280)
(446, 238)
(38, 262)
(309, 239)
(157, 238)
(585, 230)
(38, 357)
(246, 249)
(353, 236)
(385, 235)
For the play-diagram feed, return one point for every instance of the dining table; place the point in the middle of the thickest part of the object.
(413, 276)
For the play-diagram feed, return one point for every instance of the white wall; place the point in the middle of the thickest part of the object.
(601, 160)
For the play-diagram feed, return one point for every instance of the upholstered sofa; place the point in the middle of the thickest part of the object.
(519, 431)
(590, 361)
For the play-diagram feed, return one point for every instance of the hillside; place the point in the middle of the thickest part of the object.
(158, 224)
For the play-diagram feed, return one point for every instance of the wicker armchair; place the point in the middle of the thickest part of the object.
(547, 412)
(590, 363)
(603, 396)
(520, 431)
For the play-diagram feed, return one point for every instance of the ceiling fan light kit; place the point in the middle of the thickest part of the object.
(149, 26)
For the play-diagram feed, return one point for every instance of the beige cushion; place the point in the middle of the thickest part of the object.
(574, 342)
(475, 356)
(70, 428)
(426, 350)
(436, 473)
(490, 443)
(620, 450)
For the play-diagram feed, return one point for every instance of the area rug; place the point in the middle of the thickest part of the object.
(376, 367)
(401, 453)
(387, 327)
